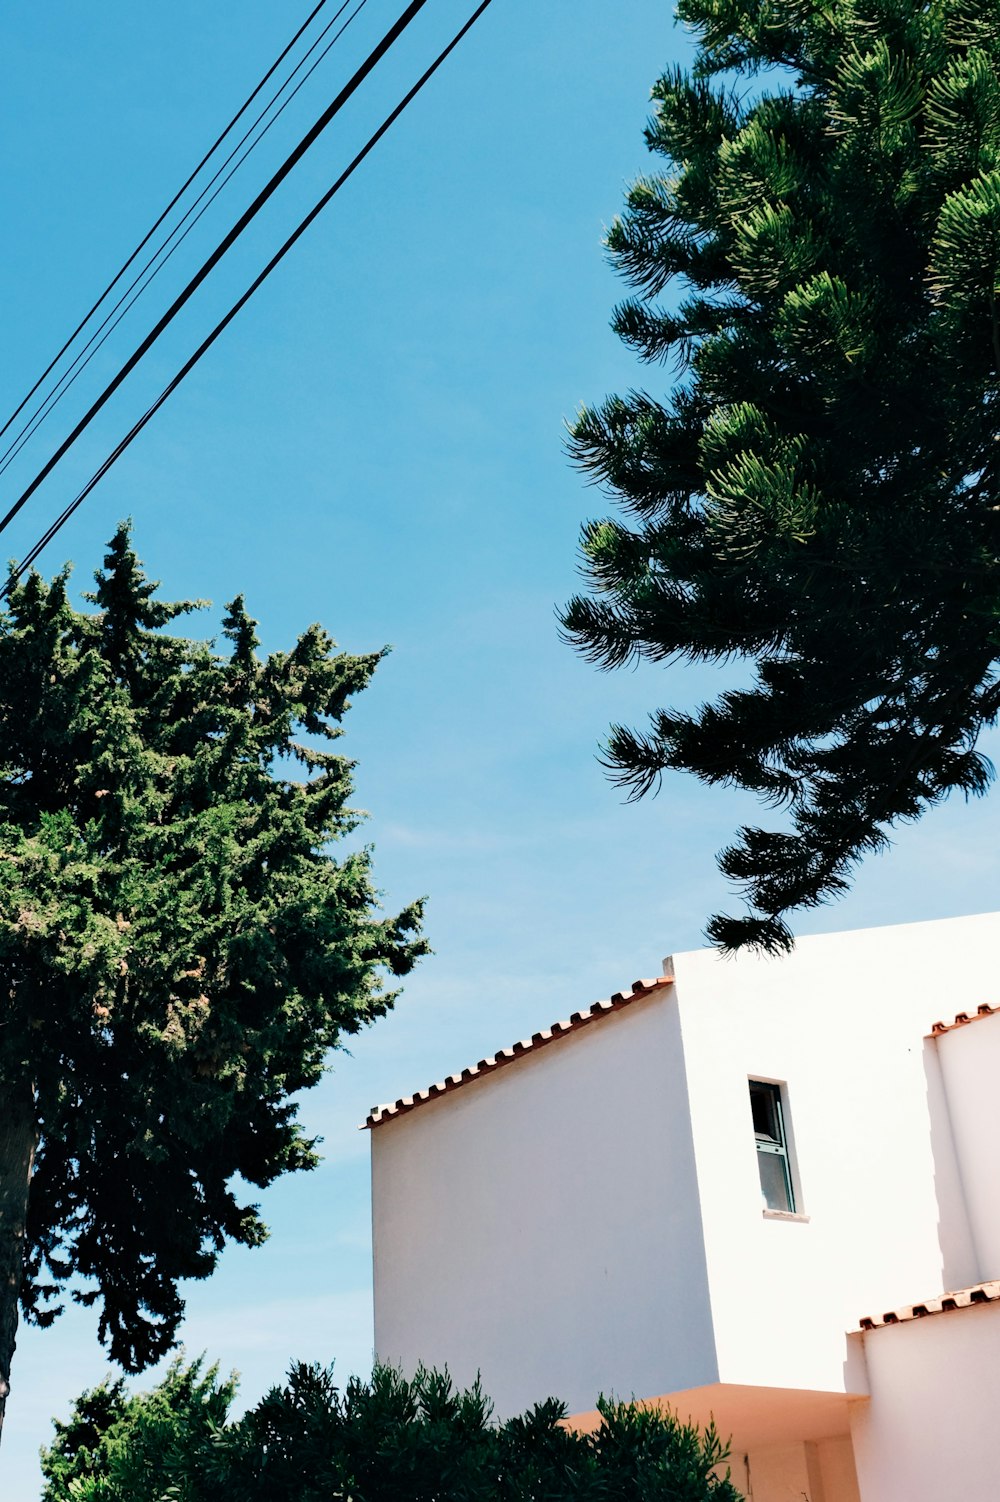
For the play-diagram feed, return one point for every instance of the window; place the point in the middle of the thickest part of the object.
(772, 1147)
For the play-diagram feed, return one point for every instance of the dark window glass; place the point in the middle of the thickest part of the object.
(772, 1146)
(762, 1105)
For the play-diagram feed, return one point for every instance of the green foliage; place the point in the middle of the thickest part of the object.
(178, 947)
(818, 498)
(377, 1441)
(114, 1443)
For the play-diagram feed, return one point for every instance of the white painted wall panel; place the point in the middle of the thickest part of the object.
(842, 1021)
(542, 1224)
(970, 1064)
(929, 1433)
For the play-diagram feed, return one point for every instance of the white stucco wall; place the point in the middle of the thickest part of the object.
(542, 1225)
(970, 1066)
(841, 1022)
(589, 1217)
(929, 1432)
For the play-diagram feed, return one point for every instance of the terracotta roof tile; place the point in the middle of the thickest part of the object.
(640, 988)
(962, 1019)
(962, 1298)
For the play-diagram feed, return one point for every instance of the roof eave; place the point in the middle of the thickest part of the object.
(615, 1003)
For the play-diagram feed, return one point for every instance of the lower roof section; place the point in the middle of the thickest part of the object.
(943, 1303)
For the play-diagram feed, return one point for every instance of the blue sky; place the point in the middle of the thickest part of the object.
(377, 444)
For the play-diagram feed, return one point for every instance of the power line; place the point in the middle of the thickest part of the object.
(176, 198)
(379, 51)
(94, 343)
(241, 302)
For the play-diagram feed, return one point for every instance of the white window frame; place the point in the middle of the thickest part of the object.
(777, 1145)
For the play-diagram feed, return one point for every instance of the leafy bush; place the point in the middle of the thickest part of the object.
(117, 1445)
(386, 1440)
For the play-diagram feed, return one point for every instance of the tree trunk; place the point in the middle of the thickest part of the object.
(18, 1137)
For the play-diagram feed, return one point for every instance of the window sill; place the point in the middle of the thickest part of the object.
(785, 1215)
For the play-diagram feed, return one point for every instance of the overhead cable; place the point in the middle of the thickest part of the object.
(170, 206)
(158, 259)
(241, 302)
(248, 215)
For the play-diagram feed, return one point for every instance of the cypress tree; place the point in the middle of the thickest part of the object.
(179, 949)
(817, 497)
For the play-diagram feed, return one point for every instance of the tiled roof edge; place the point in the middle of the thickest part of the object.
(640, 988)
(962, 1298)
(962, 1020)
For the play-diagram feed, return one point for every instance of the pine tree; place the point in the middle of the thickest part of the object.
(818, 497)
(178, 947)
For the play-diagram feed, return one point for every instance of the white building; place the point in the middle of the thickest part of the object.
(763, 1190)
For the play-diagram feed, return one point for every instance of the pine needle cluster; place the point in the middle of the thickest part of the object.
(818, 498)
